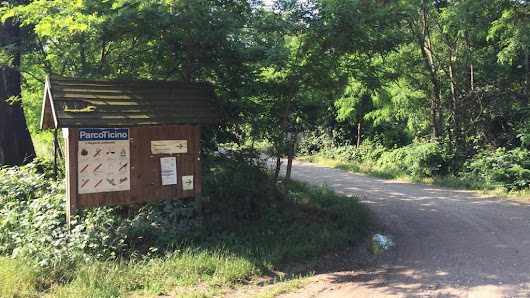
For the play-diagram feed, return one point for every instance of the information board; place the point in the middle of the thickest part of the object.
(103, 160)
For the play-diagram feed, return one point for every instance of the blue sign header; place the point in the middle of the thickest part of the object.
(103, 134)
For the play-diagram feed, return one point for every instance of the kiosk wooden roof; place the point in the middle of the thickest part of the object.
(74, 102)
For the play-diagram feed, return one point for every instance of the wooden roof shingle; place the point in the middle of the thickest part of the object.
(72, 102)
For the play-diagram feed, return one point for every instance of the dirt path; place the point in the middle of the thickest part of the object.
(448, 243)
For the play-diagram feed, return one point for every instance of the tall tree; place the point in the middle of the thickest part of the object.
(16, 147)
(427, 53)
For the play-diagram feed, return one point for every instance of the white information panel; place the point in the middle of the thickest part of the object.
(168, 168)
(103, 160)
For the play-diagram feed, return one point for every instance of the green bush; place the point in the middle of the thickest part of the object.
(510, 169)
(418, 159)
(371, 151)
(426, 160)
(368, 151)
(495, 168)
(394, 160)
(33, 223)
(235, 187)
(343, 153)
(390, 134)
(524, 135)
(313, 142)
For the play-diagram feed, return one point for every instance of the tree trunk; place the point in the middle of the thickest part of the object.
(426, 53)
(466, 118)
(289, 166)
(291, 92)
(283, 129)
(469, 57)
(456, 99)
(359, 129)
(16, 147)
(527, 76)
(189, 54)
(360, 121)
(82, 55)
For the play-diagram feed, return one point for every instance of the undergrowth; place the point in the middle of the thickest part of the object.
(160, 248)
(502, 172)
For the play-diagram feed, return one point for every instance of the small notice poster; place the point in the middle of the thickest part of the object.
(169, 146)
(103, 160)
(168, 168)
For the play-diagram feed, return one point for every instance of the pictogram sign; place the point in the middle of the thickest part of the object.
(103, 160)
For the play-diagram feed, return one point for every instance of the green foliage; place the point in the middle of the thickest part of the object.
(510, 169)
(524, 135)
(7, 55)
(353, 103)
(418, 159)
(427, 160)
(356, 61)
(390, 134)
(33, 223)
(368, 151)
(235, 187)
(394, 160)
(487, 170)
(513, 31)
(314, 142)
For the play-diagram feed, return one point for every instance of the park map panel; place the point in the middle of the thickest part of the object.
(103, 160)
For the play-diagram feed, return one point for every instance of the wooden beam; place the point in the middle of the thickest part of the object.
(55, 149)
(52, 104)
(45, 108)
(71, 143)
(197, 183)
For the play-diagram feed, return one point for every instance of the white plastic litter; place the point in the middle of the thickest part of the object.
(384, 241)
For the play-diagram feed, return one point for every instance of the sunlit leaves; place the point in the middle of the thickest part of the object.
(513, 31)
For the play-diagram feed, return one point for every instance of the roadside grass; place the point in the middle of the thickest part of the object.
(314, 222)
(362, 167)
(19, 279)
(284, 286)
(191, 272)
(449, 181)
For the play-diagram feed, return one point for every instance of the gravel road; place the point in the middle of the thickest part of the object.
(448, 243)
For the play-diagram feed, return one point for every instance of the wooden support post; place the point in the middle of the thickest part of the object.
(197, 183)
(289, 166)
(71, 143)
(55, 148)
